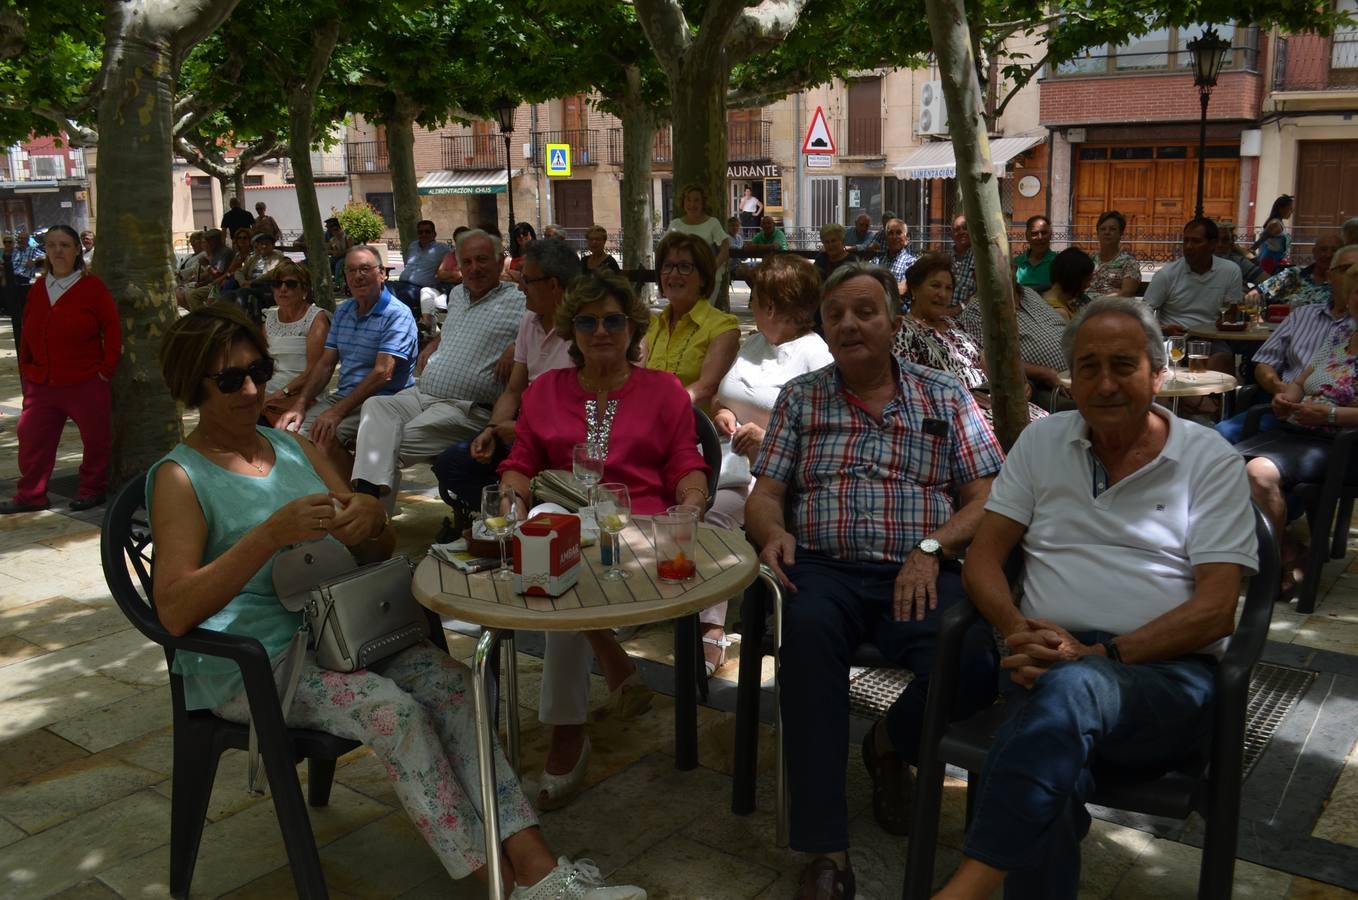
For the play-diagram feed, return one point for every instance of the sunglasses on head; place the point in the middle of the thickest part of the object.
(233, 379)
(613, 323)
(291, 284)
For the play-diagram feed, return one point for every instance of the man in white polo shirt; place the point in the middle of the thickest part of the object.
(1136, 533)
(1191, 291)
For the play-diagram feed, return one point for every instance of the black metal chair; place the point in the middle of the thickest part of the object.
(200, 737)
(1329, 508)
(1209, 786)
(764, 600)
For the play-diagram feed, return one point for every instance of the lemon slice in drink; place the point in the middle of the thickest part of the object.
(497, 523)
(612, 522)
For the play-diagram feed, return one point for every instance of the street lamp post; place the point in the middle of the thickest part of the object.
(504, 114)
(1209, 52)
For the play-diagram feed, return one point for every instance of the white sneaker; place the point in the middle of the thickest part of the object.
(580, 880)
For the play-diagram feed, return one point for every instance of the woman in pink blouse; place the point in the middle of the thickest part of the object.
(644, 420)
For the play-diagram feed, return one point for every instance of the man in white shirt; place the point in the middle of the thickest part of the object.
(469, 465)
(462, 373)
(1136, 532)
(1191, 291)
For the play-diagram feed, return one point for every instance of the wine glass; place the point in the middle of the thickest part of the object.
(1175, 348)
(587, 464)
(613, 510)
(499, 514)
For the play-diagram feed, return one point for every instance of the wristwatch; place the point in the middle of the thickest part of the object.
(931, 547)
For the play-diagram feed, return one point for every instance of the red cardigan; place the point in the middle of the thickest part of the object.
(73, 341)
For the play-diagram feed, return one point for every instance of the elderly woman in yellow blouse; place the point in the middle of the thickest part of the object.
(691, 338)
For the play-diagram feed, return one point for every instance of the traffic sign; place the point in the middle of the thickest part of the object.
(818, 139)
(818, 161)
(559, 160)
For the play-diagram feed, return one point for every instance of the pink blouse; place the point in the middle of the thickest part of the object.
(652, 443)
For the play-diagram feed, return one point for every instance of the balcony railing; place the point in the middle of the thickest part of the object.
(748, 140)
(859, 136)
(1309, 62)
(662, 154)
(583, 143)
(473, 151)
(326, 165)
(367, 157)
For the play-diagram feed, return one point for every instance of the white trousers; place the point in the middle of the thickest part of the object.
(410, 426)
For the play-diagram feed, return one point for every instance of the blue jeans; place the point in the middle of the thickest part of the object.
(1030, 813)
(462, 476)
(1233, 429)
(839, 605)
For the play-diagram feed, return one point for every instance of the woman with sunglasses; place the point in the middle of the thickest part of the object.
(521, 236)
(222, 504)
(691, 337)
(70, 345)
(296, 329)
(643, 420)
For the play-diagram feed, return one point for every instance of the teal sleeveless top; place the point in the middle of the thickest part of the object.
(233, 504)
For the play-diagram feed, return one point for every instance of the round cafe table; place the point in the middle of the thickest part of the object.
(1184, 384)
(726, 565)
(1242, 343)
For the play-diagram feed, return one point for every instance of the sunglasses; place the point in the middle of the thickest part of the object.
(291, 284)
(613, 323)
(233, 379)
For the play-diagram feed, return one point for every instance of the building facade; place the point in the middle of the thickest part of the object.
(43, 182)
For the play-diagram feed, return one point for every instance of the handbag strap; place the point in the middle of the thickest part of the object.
(292, 676)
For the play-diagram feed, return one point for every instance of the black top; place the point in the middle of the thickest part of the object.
(236, 218)
(608, 263)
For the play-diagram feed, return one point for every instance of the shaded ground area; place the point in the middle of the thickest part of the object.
(85, 761)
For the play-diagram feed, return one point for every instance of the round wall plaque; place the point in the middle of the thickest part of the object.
(1028, 185)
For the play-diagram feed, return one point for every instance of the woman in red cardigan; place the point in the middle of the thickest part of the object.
(69, 349)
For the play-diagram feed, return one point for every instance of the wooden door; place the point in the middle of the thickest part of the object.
(864, 136)
(201, 192)
(1327, 186)
(575, 127)
(1221, 188)
(487, 147)
(16, 213)
(1091, 193)
(573, 203)
(743, 133)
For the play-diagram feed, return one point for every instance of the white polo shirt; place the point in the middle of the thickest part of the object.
(1116, 561)
(1181, 296)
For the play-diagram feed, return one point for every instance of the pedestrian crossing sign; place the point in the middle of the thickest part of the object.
(559, 160)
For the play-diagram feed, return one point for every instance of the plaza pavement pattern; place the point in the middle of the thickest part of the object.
(85, 761)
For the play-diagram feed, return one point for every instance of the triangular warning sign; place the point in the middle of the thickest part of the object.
(818, 139)
(558, 159)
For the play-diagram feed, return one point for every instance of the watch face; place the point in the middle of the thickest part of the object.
(930, 546)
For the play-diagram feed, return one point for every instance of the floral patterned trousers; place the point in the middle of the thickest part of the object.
(416, 711)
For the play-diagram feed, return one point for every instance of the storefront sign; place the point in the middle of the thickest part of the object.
(738, 170)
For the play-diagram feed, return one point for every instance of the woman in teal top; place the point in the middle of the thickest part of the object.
(222, 504)
(1034, 268)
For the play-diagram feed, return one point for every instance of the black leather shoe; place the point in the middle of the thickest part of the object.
(10, 507)
(83, 503)
(823, 880)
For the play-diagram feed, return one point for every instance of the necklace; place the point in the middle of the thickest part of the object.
(243, 458)
(611, 384)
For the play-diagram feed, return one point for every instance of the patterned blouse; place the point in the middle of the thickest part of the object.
(1108, 275)
(952, 351)
(1333, 369)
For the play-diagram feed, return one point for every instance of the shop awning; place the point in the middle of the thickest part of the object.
(936, 160)
(471, 181)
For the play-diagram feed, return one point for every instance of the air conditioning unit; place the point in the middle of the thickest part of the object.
(47, 168)
(933, 111)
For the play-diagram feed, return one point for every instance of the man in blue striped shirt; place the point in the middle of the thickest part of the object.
(374, 342)
(1287, 352)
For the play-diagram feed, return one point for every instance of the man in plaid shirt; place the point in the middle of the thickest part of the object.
(871, 479)
(897, 258)
(963, 265)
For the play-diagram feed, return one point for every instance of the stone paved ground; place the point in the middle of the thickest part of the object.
(85, 763)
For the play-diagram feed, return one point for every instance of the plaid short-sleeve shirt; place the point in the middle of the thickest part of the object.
(866, 490)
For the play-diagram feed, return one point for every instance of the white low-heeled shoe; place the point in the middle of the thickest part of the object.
(555, 791)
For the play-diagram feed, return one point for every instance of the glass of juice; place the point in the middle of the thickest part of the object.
(676, 545)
